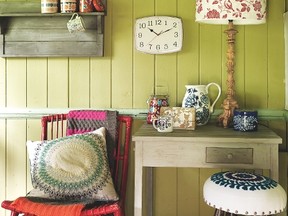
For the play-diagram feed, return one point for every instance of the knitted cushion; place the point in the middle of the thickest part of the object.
(72, 167)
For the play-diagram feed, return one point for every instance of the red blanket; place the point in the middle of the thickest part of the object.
(24, 205)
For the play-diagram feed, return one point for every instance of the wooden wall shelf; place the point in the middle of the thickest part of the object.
(25, 32)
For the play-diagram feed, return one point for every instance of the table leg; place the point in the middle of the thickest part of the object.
(274, 163)
(149, 190)
(138, 180)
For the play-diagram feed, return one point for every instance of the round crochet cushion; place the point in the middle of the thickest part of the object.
(244, 193)
(72, 167)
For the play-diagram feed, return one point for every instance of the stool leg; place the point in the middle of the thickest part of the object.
(219, 212)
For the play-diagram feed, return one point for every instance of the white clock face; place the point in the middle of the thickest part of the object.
(158, 34)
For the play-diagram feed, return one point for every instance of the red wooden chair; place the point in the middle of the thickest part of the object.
(54, 126)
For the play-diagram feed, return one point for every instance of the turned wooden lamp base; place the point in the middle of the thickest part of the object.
(226, 118)
(229, 104)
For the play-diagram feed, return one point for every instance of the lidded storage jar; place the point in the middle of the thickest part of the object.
(86, 6)
(155, 102)
(49, 6)
(68, 6)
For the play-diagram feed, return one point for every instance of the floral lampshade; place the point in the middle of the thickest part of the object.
(241, 12)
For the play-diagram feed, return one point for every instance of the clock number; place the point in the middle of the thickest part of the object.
(141, 44)
(175, 24)
(142, 25)
(158, 47)
(176, 34)
(139, 35)
(150, 23)
(175, 44)
(166, 46)
(158, 22)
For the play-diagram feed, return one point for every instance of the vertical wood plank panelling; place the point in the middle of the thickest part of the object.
(2, 162)
(58, 81)
(2, 133)
(100, 78)
(2, 82)
(165, 75)
(143, 77)
(210, 48)
(188, 192)
(143, 64)
(122, 54)
(16, 149)
(275, 54)
(100, 84)
(188, 58)
(36, 82)
(16, 158)
(256, 66)
(79, 88)
(165, 192)
(16, 82)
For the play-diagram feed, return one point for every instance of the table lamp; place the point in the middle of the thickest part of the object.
(238, 12)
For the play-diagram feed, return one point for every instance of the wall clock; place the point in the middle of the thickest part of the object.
(158, 34)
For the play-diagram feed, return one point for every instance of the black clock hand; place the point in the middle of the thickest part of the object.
(165, 31)
(151, 30)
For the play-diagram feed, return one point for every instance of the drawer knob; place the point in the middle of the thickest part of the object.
(230, 156)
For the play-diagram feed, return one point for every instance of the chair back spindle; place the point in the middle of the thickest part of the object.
(53, 126)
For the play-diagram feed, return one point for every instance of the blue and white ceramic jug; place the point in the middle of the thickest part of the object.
(197, 96)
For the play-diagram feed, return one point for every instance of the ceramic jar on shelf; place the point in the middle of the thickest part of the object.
(68, 6)
(86, 6)
(197, 96)
(49, 6)
(155, 102)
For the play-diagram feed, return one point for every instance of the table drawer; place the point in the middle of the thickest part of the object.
(229, 155)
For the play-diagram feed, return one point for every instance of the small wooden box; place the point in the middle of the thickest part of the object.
(183, 118)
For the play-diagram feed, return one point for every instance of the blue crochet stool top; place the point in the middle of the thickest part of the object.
(244, 193)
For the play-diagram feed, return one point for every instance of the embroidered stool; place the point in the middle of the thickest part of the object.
(242, 193)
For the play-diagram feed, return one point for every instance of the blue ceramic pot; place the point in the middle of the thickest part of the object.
(245, 120)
